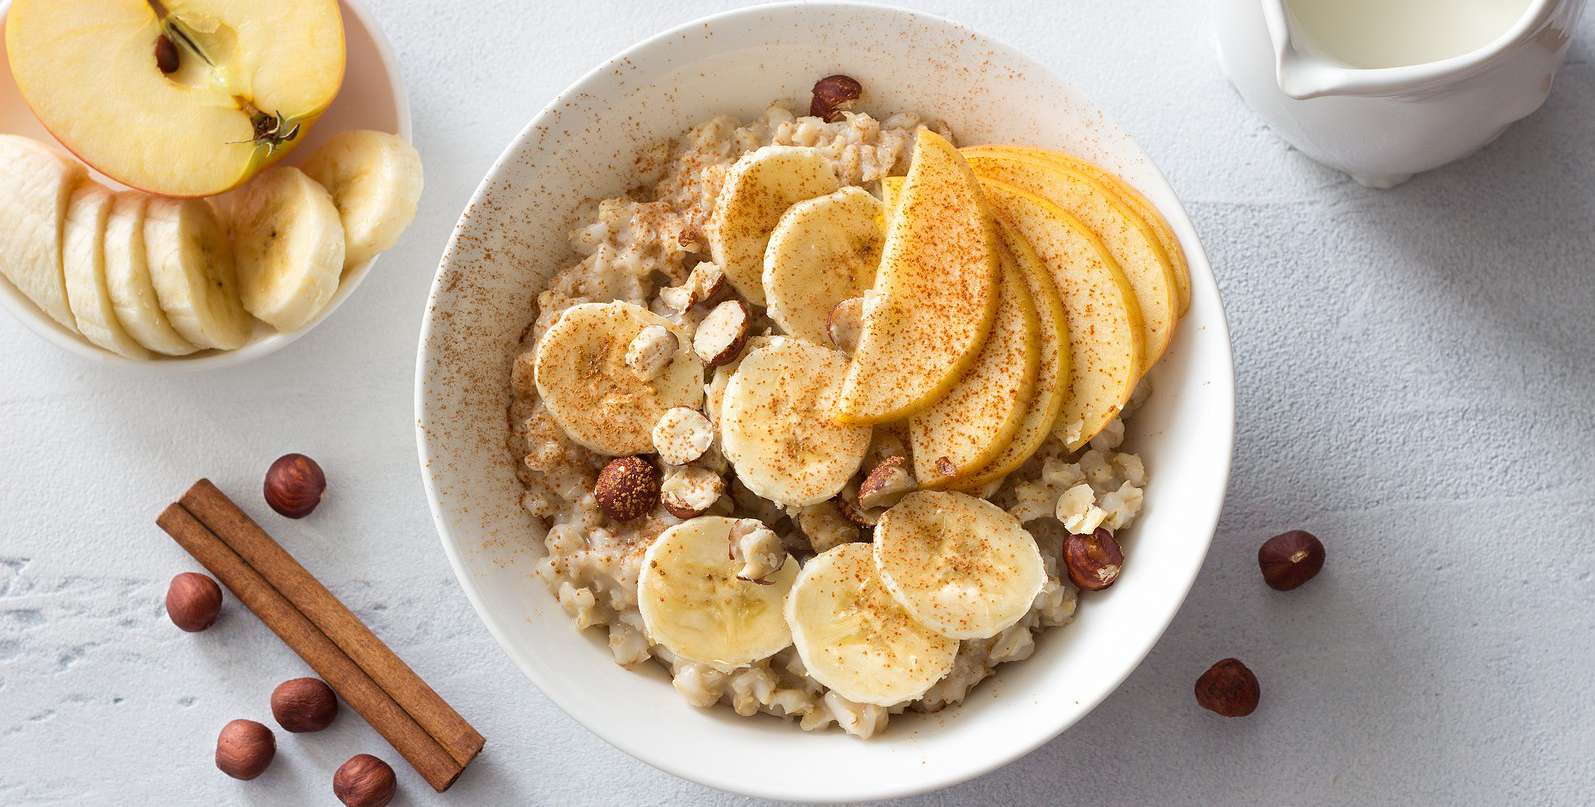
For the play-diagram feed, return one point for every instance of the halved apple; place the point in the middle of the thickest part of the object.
(177, 97)
(1106, 338)
(935, 294)
(1128, 238)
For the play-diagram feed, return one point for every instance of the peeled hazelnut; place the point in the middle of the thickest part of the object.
(1228, 688)
(627, 488)
(304, 704)
(364, 781)
(650, 351)
(689, 491)
(833, 95)
(758, 549)
(193, 601)
(886, 484)
(682, 435)
(847, 504)
(721, 334)
(294, 484)
(846, 323)
(244, 749)
(166, 56)
(1094, 561)
(706, 283)
(1290, 559)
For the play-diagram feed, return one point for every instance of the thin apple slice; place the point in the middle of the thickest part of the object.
(248, 81)
(935, 295)
(35, 187)
(975, 421)
(1052, 372)
(1128, 238)
(1106, 339)
(1128, 194)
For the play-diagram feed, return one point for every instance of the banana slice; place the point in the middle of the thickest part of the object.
(823, 251)
(583, 379)
(83, 263)
(693, 603)
(191, 265)
(375, 179)
(855, 638)
(757, 191)
(288, 247)
(36, 185)
(127, 277)
(776, 428)
(961, 566)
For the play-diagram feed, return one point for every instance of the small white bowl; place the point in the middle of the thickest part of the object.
(513, 236)
(373, 97)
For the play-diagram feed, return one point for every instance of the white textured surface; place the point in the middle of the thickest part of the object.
(1414, 386)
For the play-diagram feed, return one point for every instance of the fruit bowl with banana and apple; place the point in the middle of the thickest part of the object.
(226, 188)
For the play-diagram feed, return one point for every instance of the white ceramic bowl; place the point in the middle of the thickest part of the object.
(512, 236)
(373, 97)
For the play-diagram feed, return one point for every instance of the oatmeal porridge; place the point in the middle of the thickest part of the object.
(720, 467)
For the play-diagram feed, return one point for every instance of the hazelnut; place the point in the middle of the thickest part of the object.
(244, 749)
(166, 56)
(847, 504)
(706, 282)
(193, 601)
(682, 435)
(689, 491)
(826, 526)
(757, 549)
(834, 95)
(1228, 688)
(1290, 559)
(845, 324)
(304, 704)
(650, 351)
(294, 484)
(364, 781)
(627, 488)
(1094, 561)
(722, 333)
(886, 484)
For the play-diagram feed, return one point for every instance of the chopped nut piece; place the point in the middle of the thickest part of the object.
(886, 483)
(706, 283)
(758, 549)
(847, 503)
(846, 323)
(834, 95)
(682, 435)
(650, 351)
(826, 527)
(689, 491)
(627, 488)
(721, 334)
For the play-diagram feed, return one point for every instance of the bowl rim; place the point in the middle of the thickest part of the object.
(40, 323)
(1207, 520)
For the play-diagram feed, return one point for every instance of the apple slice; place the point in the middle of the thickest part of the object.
(1128, 239)
(1106, 339)
(975, 421)
(35, 186)
(935, 295)
(177, 97)
(1126, 193)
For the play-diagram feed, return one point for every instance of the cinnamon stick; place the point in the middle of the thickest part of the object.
(386, 713)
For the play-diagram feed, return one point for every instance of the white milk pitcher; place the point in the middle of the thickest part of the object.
(1383, 89)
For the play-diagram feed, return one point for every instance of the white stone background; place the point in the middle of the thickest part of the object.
(1414, 383)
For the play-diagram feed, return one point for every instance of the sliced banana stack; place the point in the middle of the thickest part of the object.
(83, 263)
(288, 245)
(823, 251)
(961, 566)
(776, 428)
(375, 180)
(757, 191)
(596, 397)
(693, 603)
(35, 189)
(855, 638)
(191, 264)
(127, 276)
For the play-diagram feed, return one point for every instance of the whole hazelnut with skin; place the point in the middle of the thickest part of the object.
(1228, 688)
(833, 95)
(244, 749)
(1094, 561)
(294, 484)
(364, 781)
(304, 704)
(193, 601)
(627, 488)
(1289, 559)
